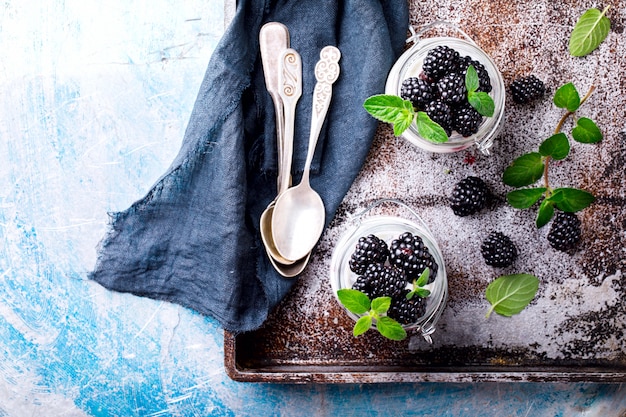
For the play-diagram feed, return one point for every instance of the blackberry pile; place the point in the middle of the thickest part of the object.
(469, 196)
(389, 271)
(498, 250)
(441, 93)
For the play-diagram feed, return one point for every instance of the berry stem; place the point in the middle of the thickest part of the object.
(558, 129)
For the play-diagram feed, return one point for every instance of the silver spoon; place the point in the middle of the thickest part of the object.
(299, 214)
(273, 41)
(289, 89)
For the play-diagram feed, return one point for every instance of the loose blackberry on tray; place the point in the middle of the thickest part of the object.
(469, 196)
(565, 231)
(527, 89)
(498, 250)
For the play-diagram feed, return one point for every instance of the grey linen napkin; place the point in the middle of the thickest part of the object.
(194, 238)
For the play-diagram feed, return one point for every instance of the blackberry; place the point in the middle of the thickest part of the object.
(565, 231)
(498, 250)
(469, 196)
(381, 281)
(527, 89)
(406, 311)
(440, 61)
(410, 254)
(451, 88)
(369, 249)
(466, 120)
(439, 112)
(417, 91)
(483, 75)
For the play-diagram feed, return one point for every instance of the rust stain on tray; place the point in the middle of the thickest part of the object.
(575, 328)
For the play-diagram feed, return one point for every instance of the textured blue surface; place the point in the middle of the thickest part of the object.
(93, 103)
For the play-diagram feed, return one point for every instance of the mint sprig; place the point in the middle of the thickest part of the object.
(393, 109)
(418, 286)
(375, 310)
(529, 168)
(481, 101)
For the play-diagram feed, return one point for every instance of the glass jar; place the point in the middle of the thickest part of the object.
(410, 65)
(388, 228)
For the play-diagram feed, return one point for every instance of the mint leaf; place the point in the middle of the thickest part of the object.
(567, 97)
(390, 328)
(525, 170)
(380, 305)
(471, 79)
(545, 213)
(355, 301)
(586, 131)
(482, 102)
(430, 130)
(423, 278)
(556, 146)
(523, 199)
(589, 32)
(422, 293)
(362, 325)
(391, 109)
(510, 294)
(571, 199)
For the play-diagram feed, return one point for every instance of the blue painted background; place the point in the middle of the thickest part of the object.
(94, 99)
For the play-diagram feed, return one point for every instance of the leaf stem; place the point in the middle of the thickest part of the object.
(558, 129)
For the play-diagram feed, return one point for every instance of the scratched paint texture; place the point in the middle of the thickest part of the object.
(94, 98)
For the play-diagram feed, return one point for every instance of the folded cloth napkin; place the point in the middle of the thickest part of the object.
(194, 238)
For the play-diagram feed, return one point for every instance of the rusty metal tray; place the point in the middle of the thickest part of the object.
(575, 328)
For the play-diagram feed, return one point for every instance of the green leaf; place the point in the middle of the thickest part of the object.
(430, 130)
(422, 292)
(523, 199)
(423, 278)
(391, 109)
(471, 79)
(510, 294)
(380, 305)
(586, 131)
(362, 325)
(589, 32)
(482, 102)
(525, 170)
(571, 199)
(545, 213)
(355, 301)
(556, 146)
(567, 97)
(390, 328)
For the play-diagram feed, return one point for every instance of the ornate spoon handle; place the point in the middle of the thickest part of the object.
(290, 90)
(326, 73)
